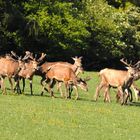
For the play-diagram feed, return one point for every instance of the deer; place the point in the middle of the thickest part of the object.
(31, 66)
(65, 74)
(121, 79)
(10, 68)
(136, 91)
(76, 67)
(7, 56)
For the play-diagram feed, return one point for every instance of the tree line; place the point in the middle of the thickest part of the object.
(102, 31)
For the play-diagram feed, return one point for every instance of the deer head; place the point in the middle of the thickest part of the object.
(77, 61)
(133, 70)
(82, 84)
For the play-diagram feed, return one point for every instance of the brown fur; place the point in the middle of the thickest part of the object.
(114, 78)
(63, 74)
(28, 73)
(10, 69)
(76, 67)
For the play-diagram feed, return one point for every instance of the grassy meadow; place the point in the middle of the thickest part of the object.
(25, 117)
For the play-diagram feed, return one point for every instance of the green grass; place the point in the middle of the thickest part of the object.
(25, 117)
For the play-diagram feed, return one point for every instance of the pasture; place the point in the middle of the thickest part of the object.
(25, 117)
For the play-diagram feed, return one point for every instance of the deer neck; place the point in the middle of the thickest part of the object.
(76, 68)
(128, 82)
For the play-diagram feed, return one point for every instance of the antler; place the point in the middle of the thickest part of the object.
(125, 62)
(137, 65)
(28, 55)
(14, 54)
(43, 55)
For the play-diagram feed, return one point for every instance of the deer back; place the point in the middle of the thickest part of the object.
(61, 73)
(113, 77)
(9, 67)
(76, 67)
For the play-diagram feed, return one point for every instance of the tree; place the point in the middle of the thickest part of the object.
(113, 32)
(11, 25)
(99, 30)
(58, 27)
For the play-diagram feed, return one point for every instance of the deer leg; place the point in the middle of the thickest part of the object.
(18, 87)
(122, 95)
(70, 90)
(136, 91)
(127, 93)
(43, 80)
(126, 96)
(60, 89)
(43, 83)
(66, 90)
(50, 86)
(31, 86)
(107, 95)
(76, 92)
(0, 82)
(15, 84)
(52, 83)
(118, 96)
(3, 86)
(59, 84)
(97, 91)
(11, 83)
(23, 82)
(130, 95)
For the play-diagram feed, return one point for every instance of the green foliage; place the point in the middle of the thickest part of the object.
(10, 25)
(59, 23)
(112, 32)
(97, 29)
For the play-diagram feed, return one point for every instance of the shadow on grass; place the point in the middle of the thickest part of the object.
(37, 95)
(85, 100)
(59, 97)
(134, 104)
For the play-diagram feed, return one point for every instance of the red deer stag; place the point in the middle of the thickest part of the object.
(66, 75)
(10, 68)
(30, 68)
(76, 67)
(116, 78)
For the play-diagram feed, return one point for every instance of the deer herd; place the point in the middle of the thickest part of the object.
(17, 68)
